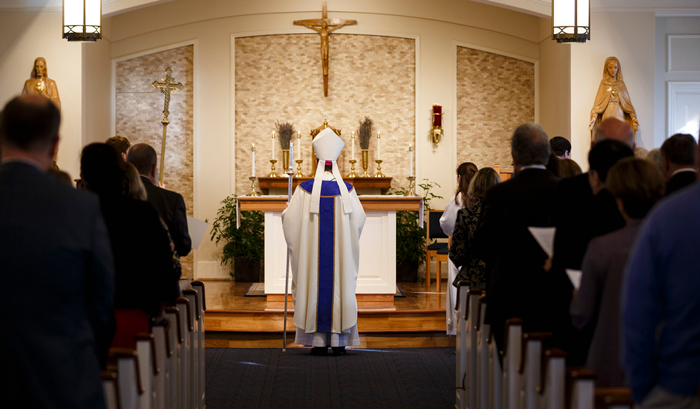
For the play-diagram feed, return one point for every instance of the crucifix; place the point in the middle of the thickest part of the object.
(166, 86)
(324, 26)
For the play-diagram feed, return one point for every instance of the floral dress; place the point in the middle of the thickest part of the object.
(461, 251)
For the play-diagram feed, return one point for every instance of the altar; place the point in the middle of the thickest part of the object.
(377, 272)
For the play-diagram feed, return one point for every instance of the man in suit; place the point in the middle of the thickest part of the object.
(57, 270)
(170, 205)
(678, 156)
(518, 285)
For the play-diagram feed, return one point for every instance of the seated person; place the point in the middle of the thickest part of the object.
(636, 184)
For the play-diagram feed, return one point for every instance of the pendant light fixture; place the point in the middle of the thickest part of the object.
(571, 21)
(82, 20)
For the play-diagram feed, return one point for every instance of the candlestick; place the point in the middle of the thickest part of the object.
(353, 146)
(379, 145)
(379, 173)
(253, 190)
(352, 169)
(272, 174)
(253, 165)
(299, 143)
(272, 145)
(299, 174)
(410, 159)
(411, 188)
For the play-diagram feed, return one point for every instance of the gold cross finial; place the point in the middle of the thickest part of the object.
(167, 86)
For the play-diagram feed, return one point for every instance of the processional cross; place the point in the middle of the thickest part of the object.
(324, 26)
(166, 86)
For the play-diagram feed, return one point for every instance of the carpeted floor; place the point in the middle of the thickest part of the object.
(364, 378)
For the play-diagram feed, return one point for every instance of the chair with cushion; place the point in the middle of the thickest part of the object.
(439, 250)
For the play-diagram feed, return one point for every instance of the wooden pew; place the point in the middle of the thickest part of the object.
(185, 319)
(530, 368)
(552, 392)
(111, 389)
(472, 318)
(613, 398)
(193, 298)
(125, 362)
(581, 387)
(148, 367)
(159, 332)
(482, 359)
(461, 382)
(495, 374)
(175, 339)
(512, 351)
(199, 286)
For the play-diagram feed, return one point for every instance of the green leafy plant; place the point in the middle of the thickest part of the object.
(410, 237)
(247, 241)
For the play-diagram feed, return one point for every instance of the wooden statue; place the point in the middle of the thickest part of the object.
(612, 99)
(39, 83)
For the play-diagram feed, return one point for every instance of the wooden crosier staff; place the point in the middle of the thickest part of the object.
(290, 173)
(166, 86)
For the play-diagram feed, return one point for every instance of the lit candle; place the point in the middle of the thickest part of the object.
(253, 166)
(410, 158)
(272, 145)
(299, 143)
(379, 146)
(353, 145)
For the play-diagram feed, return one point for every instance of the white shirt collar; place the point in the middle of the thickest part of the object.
(522, 168)
(684, 170)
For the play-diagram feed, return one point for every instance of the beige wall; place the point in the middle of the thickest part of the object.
(26, 36)
(555, 83)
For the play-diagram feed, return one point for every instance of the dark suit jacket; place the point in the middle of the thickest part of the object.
(144, 267)
(679, 181)
(171, 207)
(518, 285)
(57, 274)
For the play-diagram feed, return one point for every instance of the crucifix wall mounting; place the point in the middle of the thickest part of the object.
(324, 26)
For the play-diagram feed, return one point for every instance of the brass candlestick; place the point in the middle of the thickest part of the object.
(379, 173)
(253, 190)
(273, 174)
(411, 188)
(365, 163)
(352, 169)
(299, 174)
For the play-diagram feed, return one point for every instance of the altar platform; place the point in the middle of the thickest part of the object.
(235, 321)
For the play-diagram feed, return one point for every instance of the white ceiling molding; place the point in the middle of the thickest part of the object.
(109, 7)
(662, 8)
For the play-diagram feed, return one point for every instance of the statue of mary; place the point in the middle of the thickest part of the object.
(612, 99)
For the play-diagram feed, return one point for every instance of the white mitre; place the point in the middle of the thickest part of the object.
(328, 147)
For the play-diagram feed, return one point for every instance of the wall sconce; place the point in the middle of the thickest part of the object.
(82, 20)
(571, 21)
(436, 130)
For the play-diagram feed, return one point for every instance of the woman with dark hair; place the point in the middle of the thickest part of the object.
(636, 184)
(465, 173)
(145, 277)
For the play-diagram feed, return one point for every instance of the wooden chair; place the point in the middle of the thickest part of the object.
(174, 342)
(438, 250)
(512, 355)
(185, 319)
(461, 381)
(530, 368)
(199, 286)
(582, 386)
(613, 398)
(194, 309)
(553, 384)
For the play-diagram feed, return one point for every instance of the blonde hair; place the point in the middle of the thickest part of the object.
(638, 183)
(134, 187)
(482, 181)
(568, 168)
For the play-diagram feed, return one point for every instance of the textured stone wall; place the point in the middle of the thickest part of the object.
(138, 117)
(280, 78)
(495, 94)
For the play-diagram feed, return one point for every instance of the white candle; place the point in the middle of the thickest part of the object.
(353, 145)
(253, 166)
(299, 143)
(272, 145)
(379, 146)
(410, 157)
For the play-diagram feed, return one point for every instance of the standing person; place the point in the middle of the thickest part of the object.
(465, 173)
(561, 147)
(636, 185)
(469, 265)
(661, 307)
(322, 227)
(120, 144)
(170, 205)
(679, 163)
(57, 266)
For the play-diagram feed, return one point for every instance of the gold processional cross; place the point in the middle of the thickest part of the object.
(324, 27)
(166, 86)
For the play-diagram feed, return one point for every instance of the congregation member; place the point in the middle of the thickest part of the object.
(679, 163)
(518, 285)
(661, 307)
(641, 152)
(655, 157)
(56, 266)
(465, 173)
(145, 277)
(568, 168)
(170, 205)
(553, 165)
(561, 147)
(469, 266)
(636, 184)
(120, 144)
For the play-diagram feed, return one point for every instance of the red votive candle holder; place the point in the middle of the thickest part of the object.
(437, 115)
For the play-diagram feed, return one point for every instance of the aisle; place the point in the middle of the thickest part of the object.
(364, 378)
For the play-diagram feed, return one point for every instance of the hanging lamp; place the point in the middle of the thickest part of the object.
(82, 20)
(571, 21)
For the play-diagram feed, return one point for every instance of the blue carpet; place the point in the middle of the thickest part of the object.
(364, 378)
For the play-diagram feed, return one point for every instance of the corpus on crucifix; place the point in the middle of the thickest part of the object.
(324, 26)
(166, 86)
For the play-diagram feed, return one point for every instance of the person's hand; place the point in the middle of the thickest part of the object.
(161, 185)
(547, 265)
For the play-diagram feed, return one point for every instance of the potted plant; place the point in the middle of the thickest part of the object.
(410, 237)
(244, 245)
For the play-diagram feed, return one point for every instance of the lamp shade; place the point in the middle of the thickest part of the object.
(82, 20)
(571, 21)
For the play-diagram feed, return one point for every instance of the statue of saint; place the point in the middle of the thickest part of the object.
(39, 83)
(612, 99)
